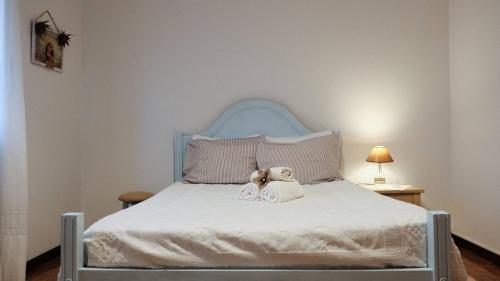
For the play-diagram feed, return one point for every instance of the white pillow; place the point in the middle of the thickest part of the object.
(200, 137)
(297, 139)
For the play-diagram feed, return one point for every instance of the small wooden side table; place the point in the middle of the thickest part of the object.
(406, 193)
(134, 197)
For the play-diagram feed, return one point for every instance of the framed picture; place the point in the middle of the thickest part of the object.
(46, 50)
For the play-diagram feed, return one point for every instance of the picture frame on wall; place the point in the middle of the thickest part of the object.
(46, 50)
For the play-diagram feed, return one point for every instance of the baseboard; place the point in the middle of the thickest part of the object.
(37, 261)
(478, 250)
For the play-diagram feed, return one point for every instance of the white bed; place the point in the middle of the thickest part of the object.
(338, 231)
(336, 224)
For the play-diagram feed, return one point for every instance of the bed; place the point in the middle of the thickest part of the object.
(336, 224)
(338, 231)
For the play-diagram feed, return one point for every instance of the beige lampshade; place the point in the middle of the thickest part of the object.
(379, 154)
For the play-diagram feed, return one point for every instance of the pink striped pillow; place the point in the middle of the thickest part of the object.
(221, 160)
(313, 160)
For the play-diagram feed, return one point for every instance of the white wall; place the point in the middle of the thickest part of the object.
(475, 120)
(52, 107)
(376, 70)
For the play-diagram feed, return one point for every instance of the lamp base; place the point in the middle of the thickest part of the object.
(379, 180)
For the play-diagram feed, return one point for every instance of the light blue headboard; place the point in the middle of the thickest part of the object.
(244, 119)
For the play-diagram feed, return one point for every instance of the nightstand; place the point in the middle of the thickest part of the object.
(134, 197)
(406, 193)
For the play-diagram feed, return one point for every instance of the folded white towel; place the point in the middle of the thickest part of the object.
(277, 174)
(282, 174)
(249, 191)
(281, 191)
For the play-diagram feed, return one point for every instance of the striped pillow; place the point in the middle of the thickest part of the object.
(221, 160)
(313, 161)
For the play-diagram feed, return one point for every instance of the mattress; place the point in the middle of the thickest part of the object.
(335, 225)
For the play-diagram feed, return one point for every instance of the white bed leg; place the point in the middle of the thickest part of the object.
(71, 246)
(438, 244)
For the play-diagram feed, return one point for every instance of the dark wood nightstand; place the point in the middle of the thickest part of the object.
(407, 193)
(134, 197)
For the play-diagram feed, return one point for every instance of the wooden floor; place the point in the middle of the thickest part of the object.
(46, 272)
(477, 267)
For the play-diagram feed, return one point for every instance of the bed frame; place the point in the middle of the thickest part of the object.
(244, 119)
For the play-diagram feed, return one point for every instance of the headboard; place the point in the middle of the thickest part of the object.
(242, 119)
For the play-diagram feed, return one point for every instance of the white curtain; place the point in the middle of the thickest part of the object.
(13, 174)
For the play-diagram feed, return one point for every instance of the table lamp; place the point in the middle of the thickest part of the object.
(379, 154)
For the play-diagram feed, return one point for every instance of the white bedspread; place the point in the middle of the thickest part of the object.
(335, 224)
